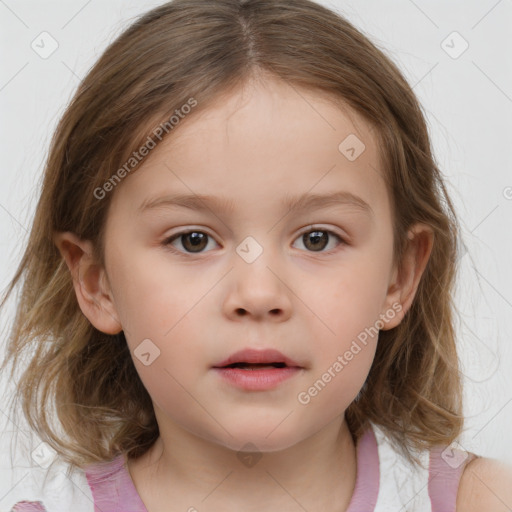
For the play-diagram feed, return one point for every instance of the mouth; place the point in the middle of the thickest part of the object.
(257, 370)
(252, 359)
(255, 366)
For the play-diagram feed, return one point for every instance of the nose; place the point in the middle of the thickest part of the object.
(258, 290)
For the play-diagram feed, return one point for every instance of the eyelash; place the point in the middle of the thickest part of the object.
(167, 243)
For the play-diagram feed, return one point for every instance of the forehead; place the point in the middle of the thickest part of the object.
(258, 111)
(264, 140)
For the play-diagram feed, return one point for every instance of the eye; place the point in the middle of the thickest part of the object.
(195, 241)
(192, 241)
(317, 239)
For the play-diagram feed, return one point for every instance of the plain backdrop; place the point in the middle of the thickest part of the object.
(457, 57)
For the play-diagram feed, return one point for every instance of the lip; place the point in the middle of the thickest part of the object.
(258, 379)
(255, 356)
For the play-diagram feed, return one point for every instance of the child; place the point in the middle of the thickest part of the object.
(199, 351)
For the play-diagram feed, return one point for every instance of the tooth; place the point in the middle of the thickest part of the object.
(259, 366)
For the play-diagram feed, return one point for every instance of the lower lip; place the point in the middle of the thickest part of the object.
(257, 380)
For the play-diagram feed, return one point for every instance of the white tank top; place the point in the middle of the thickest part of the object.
(385, 482)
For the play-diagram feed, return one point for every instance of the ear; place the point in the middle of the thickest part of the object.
(89, 281)
(405, 280)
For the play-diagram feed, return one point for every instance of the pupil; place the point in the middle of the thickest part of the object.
(195, 239)
(315, 237)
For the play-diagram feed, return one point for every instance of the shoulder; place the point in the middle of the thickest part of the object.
(485, 484)
(53, 489)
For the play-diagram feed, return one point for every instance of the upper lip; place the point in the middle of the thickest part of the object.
(255, 356)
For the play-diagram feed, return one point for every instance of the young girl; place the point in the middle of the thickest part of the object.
(237, 290)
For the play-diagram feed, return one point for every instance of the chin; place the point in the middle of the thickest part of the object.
(258, 444)
(258, 438)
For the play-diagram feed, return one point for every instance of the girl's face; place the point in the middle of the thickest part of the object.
(314, 281)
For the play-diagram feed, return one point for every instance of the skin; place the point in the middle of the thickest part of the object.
(255, 146)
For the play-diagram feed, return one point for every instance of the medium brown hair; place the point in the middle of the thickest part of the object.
(202, 49)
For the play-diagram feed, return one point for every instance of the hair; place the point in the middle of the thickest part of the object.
(197, 48)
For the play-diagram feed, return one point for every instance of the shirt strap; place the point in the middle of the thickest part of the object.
(446, 466)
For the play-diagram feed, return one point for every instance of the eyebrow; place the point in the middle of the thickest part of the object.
(293, 204)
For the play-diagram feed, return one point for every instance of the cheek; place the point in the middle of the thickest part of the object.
(170, 365)
(351, 300)
(152, 296)
(345, 341)
(162, 303)
(349, 307)
(337, 382)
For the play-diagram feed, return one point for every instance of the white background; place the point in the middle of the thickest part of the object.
(467, 101)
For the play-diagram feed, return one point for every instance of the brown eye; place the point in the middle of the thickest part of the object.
(191, 241)
(316, 240)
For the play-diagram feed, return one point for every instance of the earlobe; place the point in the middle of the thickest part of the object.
(89, 281)
(405, 281)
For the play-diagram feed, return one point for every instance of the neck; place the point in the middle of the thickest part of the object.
(319, 473)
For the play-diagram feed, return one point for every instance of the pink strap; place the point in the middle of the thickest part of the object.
(28, 506)
(366, 490)
(112, 487)
(114, 490)
(445, 469)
